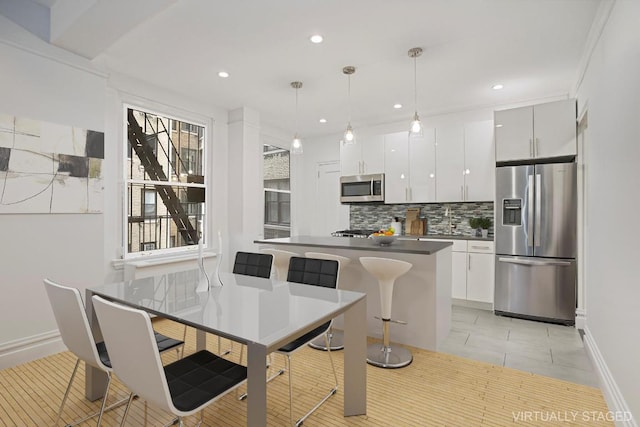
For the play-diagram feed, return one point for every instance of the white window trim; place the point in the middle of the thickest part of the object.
(159, 253)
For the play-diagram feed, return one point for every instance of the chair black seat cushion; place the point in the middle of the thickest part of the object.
(311, 271)
(304, 339)
(102, 352)
(164, 343)
(200, 377)
(252, 264)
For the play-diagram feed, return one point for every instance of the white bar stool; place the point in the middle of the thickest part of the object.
(336, 339)
(280, 261)
(387, 271)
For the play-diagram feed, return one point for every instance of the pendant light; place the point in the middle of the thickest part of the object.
(416, 126)
(349, 137)
(296, 143)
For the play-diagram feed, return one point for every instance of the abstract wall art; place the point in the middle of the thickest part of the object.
(49, 168)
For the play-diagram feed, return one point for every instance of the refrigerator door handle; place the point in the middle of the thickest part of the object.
(533, 262)
(530, 211)
(536, 231)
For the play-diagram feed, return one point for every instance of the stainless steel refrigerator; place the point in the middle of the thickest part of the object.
(535, 234)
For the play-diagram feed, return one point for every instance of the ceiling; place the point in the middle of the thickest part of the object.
(532, 47)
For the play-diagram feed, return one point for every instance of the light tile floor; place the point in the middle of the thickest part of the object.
(541, 348)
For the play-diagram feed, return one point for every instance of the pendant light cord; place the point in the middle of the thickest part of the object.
(296, 115)
(415, 84)
(349, 95)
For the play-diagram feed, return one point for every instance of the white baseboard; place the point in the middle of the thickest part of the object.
(617, 405)
(472, 304)
(24, 350)
(581, 318)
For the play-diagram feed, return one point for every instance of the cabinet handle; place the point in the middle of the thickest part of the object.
(410, 193)
(531, 147)
(406, 193)
(537, 147)
(462, 192)
(534, 263)
(479, 247)
(466, 192)
(469, 256)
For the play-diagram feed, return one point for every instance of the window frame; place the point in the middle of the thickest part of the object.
(143, 200)
(277, 148)
(152, 184)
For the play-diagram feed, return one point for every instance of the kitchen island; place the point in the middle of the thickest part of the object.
(421, 297)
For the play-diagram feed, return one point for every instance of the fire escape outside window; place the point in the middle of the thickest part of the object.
(165, 182)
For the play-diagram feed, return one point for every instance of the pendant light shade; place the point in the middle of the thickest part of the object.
(349, 137)
(416, 125)
(296, 143)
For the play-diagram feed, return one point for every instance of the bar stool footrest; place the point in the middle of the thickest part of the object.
(401, 322)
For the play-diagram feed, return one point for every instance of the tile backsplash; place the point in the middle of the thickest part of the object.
(372, 216)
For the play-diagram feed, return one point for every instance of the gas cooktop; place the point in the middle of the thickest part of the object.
(353, 233)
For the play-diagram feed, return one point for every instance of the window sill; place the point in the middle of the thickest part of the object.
(149, 261)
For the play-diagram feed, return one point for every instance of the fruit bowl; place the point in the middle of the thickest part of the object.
(383, 240)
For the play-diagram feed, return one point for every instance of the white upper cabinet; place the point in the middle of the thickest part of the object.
(450, 163)
(350, 159)
(364, 156)
(409, 167)
(514, 133)
(422, 167)
(465, 162)
(396, 167)
(479, 161)
(554, 129)
(538, 131)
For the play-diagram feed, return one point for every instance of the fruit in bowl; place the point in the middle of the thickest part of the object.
(383, 237)
(388, 232)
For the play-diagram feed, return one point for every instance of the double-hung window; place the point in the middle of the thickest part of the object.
(165, 182)
(277, 192)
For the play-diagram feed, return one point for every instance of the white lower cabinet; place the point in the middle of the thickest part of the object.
(459, 275)
(480, 270)
(472, 275)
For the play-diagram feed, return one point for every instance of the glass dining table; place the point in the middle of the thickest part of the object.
(263, 314)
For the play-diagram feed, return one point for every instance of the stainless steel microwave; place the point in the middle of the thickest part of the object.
(362, 188)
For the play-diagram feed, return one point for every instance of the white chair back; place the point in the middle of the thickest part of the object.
(134, 354)
(280, 261)
(73, 324)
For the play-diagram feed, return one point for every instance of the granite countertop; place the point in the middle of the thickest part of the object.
(447, 237)
(400, 245)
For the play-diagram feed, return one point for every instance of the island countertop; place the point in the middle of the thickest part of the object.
(400, 246)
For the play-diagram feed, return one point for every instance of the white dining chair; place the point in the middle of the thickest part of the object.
(182, 388)
(75, 331)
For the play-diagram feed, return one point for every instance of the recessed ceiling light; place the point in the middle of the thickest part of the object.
(223, 74)
(497, 87)
(323, 120)
(316, 38)
(397, 106)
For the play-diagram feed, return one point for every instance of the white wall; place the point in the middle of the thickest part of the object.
(42, 82)
(67, 248)
(611, 90)
(304, 171)
(246, 200)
